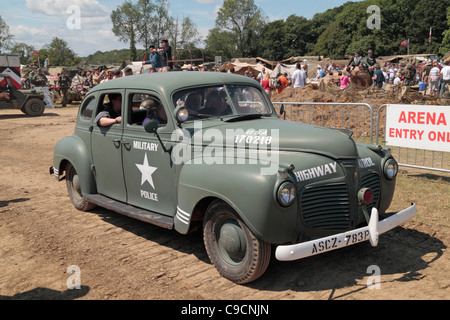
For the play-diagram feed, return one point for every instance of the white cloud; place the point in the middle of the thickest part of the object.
(88, 8)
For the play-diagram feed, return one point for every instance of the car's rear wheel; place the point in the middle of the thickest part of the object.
(34, 107)
(74, 189)
(234, 250)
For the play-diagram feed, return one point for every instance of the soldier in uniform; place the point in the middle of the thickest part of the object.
(64, 83)
(166, 54)
(410, 74)
(356, 61)
(369, 62)
(39, 79)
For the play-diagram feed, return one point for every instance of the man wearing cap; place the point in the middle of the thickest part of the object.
(369, 63)
(127, 72)
(154, 59)
(109, 76)
(166, 54)
(356, 62)
(39, 80)
(64, 83)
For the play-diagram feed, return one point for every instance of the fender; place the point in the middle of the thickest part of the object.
(73, 150)
(250, 194)
(372, 161)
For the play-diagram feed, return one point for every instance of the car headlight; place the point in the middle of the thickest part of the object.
(390, 169)
(286, 194)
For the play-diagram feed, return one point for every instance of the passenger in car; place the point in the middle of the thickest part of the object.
(217, 105)
(112, 111)
(155, 111)
(194, 102)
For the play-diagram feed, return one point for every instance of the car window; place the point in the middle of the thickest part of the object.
(144, 107)
(87, 109)
(218, 101)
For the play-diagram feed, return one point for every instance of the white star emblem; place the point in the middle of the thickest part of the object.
(147, 172)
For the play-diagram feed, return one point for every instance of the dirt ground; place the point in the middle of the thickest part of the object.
(42, 235)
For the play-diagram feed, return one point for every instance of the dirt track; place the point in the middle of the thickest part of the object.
(42, 234)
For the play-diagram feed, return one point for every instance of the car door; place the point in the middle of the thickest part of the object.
(148, 170)
(106, 149)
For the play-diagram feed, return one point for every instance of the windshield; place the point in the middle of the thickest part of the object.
(220, 101)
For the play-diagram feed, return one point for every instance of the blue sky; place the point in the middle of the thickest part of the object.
(36, 22)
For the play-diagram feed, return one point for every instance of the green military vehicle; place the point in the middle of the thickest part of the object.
(30, 102)
(190, 150)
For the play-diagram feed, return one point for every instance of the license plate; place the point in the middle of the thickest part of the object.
(336, 242)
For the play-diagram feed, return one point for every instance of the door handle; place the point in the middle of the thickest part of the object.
(118, 142)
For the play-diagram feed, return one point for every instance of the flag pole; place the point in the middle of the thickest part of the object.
(408, 47)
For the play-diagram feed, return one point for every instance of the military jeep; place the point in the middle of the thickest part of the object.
(207, 150)
(30, 102)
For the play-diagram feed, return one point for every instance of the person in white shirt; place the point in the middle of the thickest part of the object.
(434, 79)
(445, 74)
(397, 79)
(261, 75)
(299, 76)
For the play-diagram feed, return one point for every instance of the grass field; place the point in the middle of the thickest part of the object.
(429, 191)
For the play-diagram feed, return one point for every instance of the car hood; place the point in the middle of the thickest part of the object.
(273, 134)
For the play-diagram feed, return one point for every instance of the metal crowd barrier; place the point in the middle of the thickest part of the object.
(357, 117)
(360, 118)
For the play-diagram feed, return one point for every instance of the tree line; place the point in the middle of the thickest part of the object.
(242, 29)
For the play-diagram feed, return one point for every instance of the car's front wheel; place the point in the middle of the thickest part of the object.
(74, 190)
(234, 250)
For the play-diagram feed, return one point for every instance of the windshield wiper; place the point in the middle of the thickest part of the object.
(243, 117)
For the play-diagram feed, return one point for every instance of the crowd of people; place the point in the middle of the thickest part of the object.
(432, 77)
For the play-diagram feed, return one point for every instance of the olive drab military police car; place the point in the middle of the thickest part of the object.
(204, 149)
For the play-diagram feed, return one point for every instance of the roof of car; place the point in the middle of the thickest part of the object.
(172, 81)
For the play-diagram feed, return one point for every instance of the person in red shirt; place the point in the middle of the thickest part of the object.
(265, 83)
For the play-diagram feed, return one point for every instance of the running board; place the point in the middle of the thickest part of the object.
(130, 211)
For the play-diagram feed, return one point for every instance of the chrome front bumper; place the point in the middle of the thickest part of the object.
(341, 240)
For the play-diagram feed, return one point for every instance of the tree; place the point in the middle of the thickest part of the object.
(5, 36)
(446, 34)
(245, 21)
(152, 21)
(220, 43)
(184, 36)
(58, 53)
(25, 51)
(125, 23)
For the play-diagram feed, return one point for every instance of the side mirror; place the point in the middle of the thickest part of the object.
(151, 126)
(181, 114)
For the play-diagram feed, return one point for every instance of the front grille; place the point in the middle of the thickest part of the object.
(326, 207)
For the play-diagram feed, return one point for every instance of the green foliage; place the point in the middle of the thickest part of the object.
(445, 49)
(26, 52)
(5, 36)
(58, 53)
(244, 20)
(342, 30)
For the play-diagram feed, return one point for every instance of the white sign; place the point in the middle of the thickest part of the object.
(418, 127)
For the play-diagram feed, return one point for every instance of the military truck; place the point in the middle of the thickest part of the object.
(206, 150)
(30, 102)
